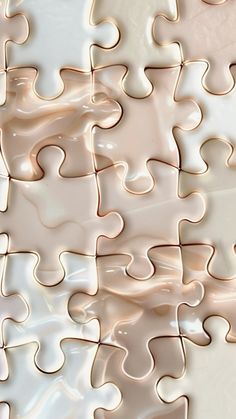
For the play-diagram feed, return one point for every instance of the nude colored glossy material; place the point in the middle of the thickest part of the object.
(29, 123)
(64, 220)
(150, 219)
(213, 38)
(145, 130)
(132, 312)
(218, 188)
(136, 48)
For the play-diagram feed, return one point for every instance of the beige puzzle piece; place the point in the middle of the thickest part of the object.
(136, 48)
(217, 186)
(145, 130)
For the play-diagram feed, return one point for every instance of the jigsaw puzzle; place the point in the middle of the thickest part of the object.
(117, 209)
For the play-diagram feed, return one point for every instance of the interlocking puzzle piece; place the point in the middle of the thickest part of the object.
(217, 186)
(139, 397)
(13, 28)
(219, 296)
(29, 123)
(61, 35)
(151, 219)
(204, 21)
(48, 322)
(146, 129)
(218, 116)
(12, 304)
(67, 393)
(132, 312)
(137, 48)
(54, 215)
(209, 379)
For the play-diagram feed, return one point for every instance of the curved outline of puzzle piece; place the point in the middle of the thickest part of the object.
(217, 186)
(48, 322)
(136, 48)
(139, 397)
(145, 130)
(219, 296)
(131, 313)
(217, 121)
(217, 51)
(141, 215)
(29, 123)
(73, 34)
(32, 393)
(60, 222)
(206, 380)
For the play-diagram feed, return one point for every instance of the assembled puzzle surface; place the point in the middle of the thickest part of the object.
(117, 209)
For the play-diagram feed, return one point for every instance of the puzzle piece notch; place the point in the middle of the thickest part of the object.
(48, 322)
(145, 130)
(68, 392)
(63, 222)
(217, 186)
(140, 212)
(29, 123)
(44, 51)
(206, 380)
(217, 51)
(137, 48)
(139, 397)
(131, 313)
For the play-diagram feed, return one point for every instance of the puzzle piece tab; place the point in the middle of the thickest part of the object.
(137, 48)
(145, 130)
(67, 393)
(217, 186)
(131, 313)
(150, 219)
(60, 214)
(61, 34)
(29, 123)
(210, 40)
(210, 376)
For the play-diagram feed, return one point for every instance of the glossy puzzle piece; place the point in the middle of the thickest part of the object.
(210, 376)
(210, 41)
(61, 34)
(48, 322)
(137, 48)
(150, 219)
(145, 130)
(218, 117)
(139, 397)
(131, 312)
(217, 186)
(219, 296)
(67, 393)
(65, 219)
(29, 123)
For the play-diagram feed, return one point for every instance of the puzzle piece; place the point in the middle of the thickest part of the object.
(61, 35)
(219, 296)
(209, 379)
(59, 214)
(218, 117)
(4, 411)
(217, 186)
(48, 322)
(210, 41)
(146, 129)
(137, 48)
(139, 397)
(142, 214)
(4, 372)
(67, 393)
(29, 123)
(13, 28)
(132, 312)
